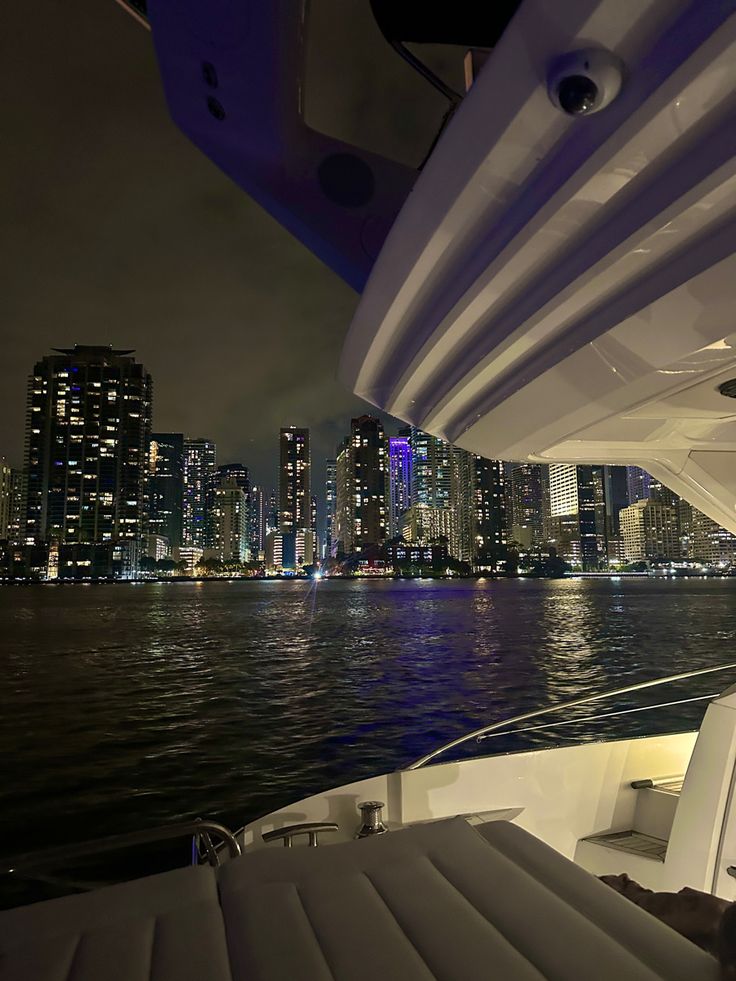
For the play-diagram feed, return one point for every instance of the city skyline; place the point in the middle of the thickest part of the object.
(104, 493)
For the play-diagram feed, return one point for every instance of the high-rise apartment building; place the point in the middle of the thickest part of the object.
(477, 530)
(272, 511)
(231, 514)
(200, 466)
(313, 527)
(573, 519)
(461, 544)
(6, 497)
(490, 523)
(361, 487)
(344, 499)
(166, 489)
(708, 541)
(431, 466)
(525, 500)
(431, 514)
(616, 493)
(638, 482)
(649, 531)
(295, 494)
(423, 525)
(399, 481)
(370, 480)
(257, 520)
(641, 486)
(236, 472)
(88, 429)
(17, 521)
(330, 509)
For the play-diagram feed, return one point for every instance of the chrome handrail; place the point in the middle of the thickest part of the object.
(573, 703)
(50, 856)
(600, 715)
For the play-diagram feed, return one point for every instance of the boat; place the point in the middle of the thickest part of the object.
(554, 283)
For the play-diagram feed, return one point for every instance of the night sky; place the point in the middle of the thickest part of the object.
(118, 231)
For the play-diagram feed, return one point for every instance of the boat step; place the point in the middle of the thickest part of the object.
(633, 842)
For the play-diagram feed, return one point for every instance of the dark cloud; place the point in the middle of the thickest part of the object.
(116, 230)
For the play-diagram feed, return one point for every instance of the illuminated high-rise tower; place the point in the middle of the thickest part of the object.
(257, 520)
(295, 494)
(6, 497)
(431, 470)
(525, 498)
(200, 465)
(573, 521)
(330, 508)
(399, 480)
(478, 532)
(88, 430)
(368, 454)
(166, 488)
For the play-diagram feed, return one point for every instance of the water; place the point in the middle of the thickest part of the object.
(126, 706)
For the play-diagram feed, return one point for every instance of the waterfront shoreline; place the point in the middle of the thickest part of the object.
(388, 577)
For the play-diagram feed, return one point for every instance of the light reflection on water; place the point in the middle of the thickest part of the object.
(125, 707)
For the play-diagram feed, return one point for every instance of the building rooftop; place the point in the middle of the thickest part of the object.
(95, 350)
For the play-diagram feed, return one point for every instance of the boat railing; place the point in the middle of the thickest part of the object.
(500, 728)
(202, 833)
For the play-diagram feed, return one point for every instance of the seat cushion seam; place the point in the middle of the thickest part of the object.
(396, 921)
(598, 929)
(491, 926)
(646, 957)
(480, 912)
(314, 930)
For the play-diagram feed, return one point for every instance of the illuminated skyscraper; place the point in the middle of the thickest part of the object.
(616, 487)
(231, 515)
(88, 429)
(313, 526)
(166, 488)
(236, 472)
(637, 484)
(200, 463)
(344, 499)
(257, 519)
(525, 500)
(6, 497)
(16, 521)
(400, 475)
(574, 512)
(490, 524)
(370, 479)
(330, 508)
(704, 539)
(641, 486)
(478, 531)
(649, 531)
(431, 514)
(361, 473)
(431, 469)
(295, 493)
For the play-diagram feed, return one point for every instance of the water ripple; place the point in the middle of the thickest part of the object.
(125, 707)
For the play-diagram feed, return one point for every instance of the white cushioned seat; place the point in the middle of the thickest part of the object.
(437, 901)
(160, 928)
